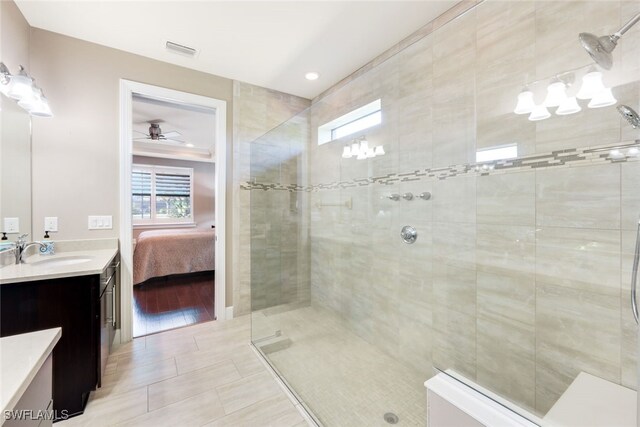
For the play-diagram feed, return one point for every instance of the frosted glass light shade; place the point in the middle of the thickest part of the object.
(569, 106)
(604, 98)
(355, 149)
(362, 155)
(540, 112)
(29, 100)
(556, 94)
(41, 109)
(21, 86)
(525, 102)
(379, 150)
(591, 85)
(346, 152)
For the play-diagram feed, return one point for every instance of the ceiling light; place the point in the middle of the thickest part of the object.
(568, 106)
(379, 150)
(525, 102)
(539, 112)
(591, 85)
(312, 75)
(355, 149)
(556, 94)
(188, 144)
(604, 98)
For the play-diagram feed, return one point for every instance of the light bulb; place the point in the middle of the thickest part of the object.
(603, 98)
(556, 94)
(525, 102)
(568, 106)
(346, 152)
(379, 150)
(355, 149)
(591, 85)
(540, 112)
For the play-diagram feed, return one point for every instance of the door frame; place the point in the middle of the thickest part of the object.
(127, 90)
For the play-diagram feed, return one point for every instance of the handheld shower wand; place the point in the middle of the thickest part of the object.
(600, 48)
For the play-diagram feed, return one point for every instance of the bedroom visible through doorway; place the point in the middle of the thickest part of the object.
(173, 219)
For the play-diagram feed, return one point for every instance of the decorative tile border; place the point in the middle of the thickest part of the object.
(560, 158)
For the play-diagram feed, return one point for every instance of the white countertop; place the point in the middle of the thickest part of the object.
(21, 357)
(94, 262)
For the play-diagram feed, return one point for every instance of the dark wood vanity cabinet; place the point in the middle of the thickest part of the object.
(73, 304)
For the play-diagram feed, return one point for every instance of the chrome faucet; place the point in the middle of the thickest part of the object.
(22, 245)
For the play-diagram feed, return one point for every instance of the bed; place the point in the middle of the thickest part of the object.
(165, 252)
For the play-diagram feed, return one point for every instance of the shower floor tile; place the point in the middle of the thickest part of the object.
(344, 380)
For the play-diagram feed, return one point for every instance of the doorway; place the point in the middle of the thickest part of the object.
(172, 205)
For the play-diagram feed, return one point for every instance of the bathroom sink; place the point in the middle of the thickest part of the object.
(62, 261)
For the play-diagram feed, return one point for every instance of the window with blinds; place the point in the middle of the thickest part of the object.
(161, 195)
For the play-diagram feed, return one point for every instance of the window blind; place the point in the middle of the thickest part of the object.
(141, 183)
(170, 185)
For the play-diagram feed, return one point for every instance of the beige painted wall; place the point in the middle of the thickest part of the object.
(15, 124)
(75, 154)
(203, 189)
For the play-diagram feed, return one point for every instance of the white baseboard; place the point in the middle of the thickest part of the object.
(228, 312)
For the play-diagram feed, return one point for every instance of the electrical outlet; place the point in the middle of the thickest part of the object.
(11, 225)
(50, 223)
(100, 222)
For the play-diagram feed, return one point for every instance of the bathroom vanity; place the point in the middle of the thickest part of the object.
(75, 291)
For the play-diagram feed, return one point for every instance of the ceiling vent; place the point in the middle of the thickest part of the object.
(180, 49)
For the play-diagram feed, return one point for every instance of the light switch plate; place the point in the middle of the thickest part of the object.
(50, 223)
(11, 225)
(97, 222)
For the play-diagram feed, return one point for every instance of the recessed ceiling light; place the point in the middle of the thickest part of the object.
(312, 75)
(188, 144)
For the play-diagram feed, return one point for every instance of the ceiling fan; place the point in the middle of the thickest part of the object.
(155, 134)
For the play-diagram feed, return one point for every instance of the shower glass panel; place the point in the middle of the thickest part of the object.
(518, 281)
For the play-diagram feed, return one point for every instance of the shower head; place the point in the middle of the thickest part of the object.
(600, 48)
(628, 113)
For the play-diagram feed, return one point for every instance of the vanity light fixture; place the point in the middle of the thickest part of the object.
(592, 89)
(360, 149)
(22, 89)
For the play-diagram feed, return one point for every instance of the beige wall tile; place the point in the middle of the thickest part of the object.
(583, 259)
(586, 197)
(506, 199)
(576, 331)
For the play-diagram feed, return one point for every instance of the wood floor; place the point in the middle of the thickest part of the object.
(165, 303)
(205, 374)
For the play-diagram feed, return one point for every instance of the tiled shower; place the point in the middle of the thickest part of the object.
(519, 278)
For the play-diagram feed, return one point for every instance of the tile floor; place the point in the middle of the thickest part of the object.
(345, 380)
(205, 374)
